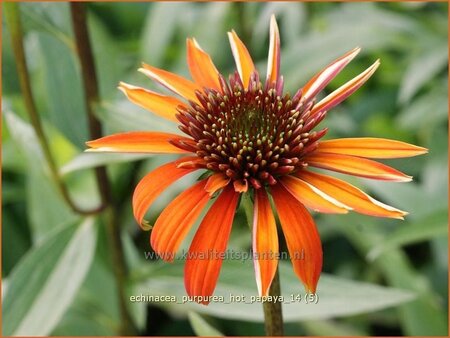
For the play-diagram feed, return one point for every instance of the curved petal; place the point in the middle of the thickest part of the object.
(201, 67)
(215, 182)
(370, 147)
(207, 250)
(273, 62)
(312, 197)
(176, 220)
(350, 195)
(244, 62)
(265, 242)
(321, 79)
(240, 185)
(191, 163)
(154, 183)
(137, 142)
(345, 90)
(356, 166)
(175, 83)
(161, 105)
(301, 236)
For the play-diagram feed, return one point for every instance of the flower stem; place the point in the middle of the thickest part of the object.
(247, 204)
(90, 86)
(91, 91)
(12, 16)
(273, 315)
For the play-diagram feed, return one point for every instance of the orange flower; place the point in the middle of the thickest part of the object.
(250, 137)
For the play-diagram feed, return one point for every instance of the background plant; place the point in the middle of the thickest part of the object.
(57, 259)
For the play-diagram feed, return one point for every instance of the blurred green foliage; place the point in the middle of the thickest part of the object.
(383, 277)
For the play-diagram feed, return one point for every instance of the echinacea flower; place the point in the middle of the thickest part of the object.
(252, 138)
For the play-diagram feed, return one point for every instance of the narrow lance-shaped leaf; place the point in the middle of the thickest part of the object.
(57, 269)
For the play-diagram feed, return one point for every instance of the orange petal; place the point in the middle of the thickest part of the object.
(175, 83)
(273, 62)
(191, 163)
(176, 220)
(137, 142)
(201, 67)
(321, 79)
(356, 166)
(345, 90)
(350, 195)
(205, 255)
(301, 236)
(240, 185)
(216, 182)
(161, 105)
(265, 242)
(370, 147)
(242, 58)
(312, 197)
(154, 183)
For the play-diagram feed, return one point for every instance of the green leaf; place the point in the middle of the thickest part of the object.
(43, 217)
(427, 111)
(10, 79)
(337, 297)
(63, 89)
(12, 192)
(435, 172)
(45, 282)
(201, 327)
(161, 24)
(25, 138)
(133, 259)
(410, 197)
(209, 25)
(335, 34)
(12, 159)
(331, 328)
(432, 226)
(290, 17)
(121, 115)
(48, 215)
(95, 310)
(107, 57)
(13, 232)
(50, 18)
(425, 316)
(422, 69)
(92, 160)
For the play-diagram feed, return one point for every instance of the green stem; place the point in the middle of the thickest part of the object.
(247, 203)
(15, 27)
(89, 76)
(273, 315)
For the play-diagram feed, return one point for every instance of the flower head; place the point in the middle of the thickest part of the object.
(252, 137)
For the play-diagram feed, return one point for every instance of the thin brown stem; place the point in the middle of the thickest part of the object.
(273, 315)
(90, 86)
(89, 76)
(15, 27)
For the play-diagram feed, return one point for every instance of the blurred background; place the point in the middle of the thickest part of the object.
(60, 270)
